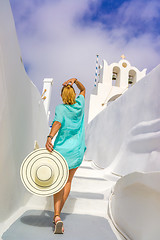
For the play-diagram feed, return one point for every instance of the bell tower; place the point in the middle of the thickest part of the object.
(113, 80)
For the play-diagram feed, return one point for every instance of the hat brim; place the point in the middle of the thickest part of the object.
(53, 160)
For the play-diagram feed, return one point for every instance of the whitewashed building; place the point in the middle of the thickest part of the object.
(113, 81)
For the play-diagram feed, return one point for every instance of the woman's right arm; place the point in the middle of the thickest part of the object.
(80, 86)
(55, 128)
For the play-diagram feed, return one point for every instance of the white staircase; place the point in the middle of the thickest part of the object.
(88, 193)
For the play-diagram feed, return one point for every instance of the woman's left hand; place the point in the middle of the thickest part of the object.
(71, 80)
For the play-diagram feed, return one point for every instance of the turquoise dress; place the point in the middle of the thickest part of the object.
(70, 141)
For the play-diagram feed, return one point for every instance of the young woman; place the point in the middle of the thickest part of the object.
(70, 141)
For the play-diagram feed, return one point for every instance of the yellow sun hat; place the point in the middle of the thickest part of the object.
(44, 173)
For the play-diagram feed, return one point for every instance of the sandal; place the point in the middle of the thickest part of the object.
(54, 218)
(58, 225)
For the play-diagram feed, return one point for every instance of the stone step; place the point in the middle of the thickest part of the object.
(98, 174)
(86, 195)
(94, 207)
(90, 185)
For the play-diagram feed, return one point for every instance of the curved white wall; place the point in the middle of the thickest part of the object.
(140, 151)
(22, 116)
(134, 206)
(108, 132)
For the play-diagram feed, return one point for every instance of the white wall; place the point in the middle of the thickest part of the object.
(134, 206)
(140, 151)
(22, 116)
(107, 133)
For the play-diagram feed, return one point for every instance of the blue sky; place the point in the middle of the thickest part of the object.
(60, 38)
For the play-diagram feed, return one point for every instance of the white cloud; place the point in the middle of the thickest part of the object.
(55, 44)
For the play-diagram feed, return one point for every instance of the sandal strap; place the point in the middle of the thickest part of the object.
(57, 215)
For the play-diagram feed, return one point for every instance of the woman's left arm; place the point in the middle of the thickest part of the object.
(55, 128)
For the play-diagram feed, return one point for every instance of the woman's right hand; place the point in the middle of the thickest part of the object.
(71, 80)
(49, 145)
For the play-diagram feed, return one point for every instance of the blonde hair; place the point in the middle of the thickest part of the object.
(68, 95)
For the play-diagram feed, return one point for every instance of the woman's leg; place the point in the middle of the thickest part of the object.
(67, 187)
(58, 202)
(57, 207)
(61, 197)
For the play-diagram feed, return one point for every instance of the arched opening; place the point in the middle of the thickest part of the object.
(100, 74)
(116, 76)
(113, 98)
(132, 78)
